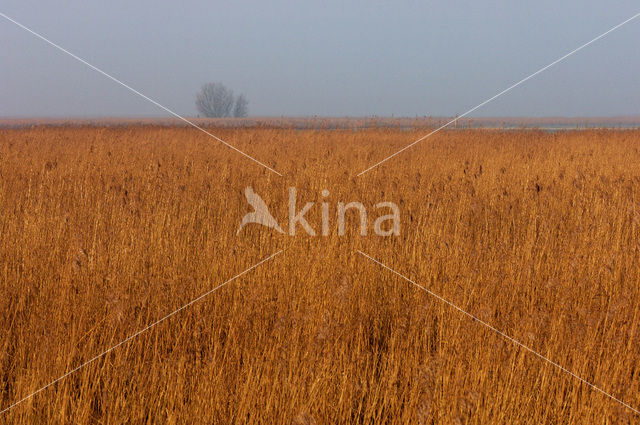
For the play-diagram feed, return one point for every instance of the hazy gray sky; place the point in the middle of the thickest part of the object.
(331, 58)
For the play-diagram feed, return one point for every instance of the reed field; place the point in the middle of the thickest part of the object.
(107, 229)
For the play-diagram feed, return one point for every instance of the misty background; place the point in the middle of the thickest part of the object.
(402, 58)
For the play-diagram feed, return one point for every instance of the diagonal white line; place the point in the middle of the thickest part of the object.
(507, 337)
(501, 93)
(192, 124)
(124, 341)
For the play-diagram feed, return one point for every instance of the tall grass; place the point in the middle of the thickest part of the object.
(105, 230)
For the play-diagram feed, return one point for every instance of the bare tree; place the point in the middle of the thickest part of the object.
(214, 100)
(241, 108)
